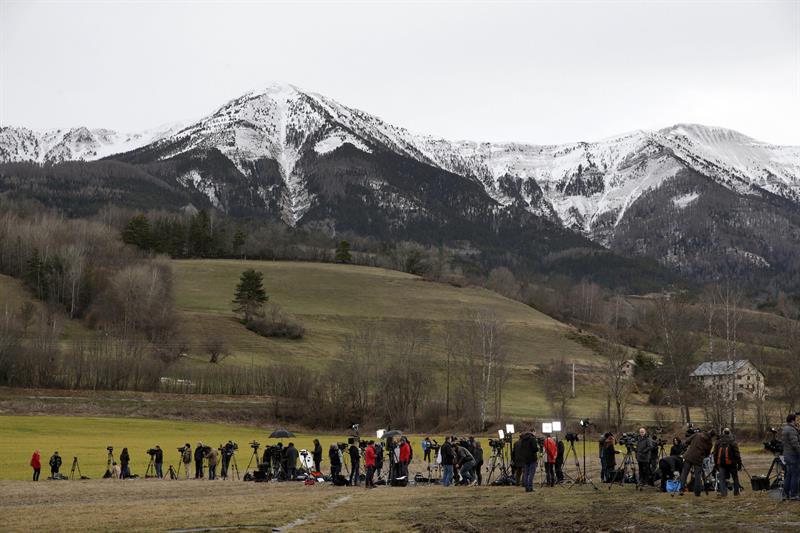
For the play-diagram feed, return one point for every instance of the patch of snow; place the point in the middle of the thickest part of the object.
(682, 201)
(331, 143)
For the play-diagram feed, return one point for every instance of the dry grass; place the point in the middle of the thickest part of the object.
(148, 505)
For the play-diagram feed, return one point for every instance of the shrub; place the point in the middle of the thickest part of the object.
(276, 323)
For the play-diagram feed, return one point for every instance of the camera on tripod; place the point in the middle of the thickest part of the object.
(774, 445)
(151, 452)
(183, 449)
(497, 444)
(255, 445)
(572, 437)
(628, 440)
(110, 449)
(342, 446)
(691, 430)
(434, 446)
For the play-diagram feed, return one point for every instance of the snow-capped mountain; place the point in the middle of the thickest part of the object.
(282, 152)
(76, 144)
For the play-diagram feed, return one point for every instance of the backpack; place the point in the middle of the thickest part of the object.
(724, 455)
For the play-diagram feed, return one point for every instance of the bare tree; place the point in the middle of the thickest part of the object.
(216, 348)
(617, 383)
(558, 376)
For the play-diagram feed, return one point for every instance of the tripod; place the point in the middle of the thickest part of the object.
(151, 469)
(254, 455)
(579, 478)
(75, 467)
(780, 468)
(628, 465)
(498, 459)
(233, 468)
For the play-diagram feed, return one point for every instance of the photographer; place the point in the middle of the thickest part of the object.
(158, 461)
(527, 453)
(426, 449)
(791, 454)
(465, 462)
(369, 464)
(601, 447)
(448, 458)
(291, 455)
(698, 448)
(670, 465)
(728, 461)
(198, 461)
(36, 464)
(644, 456)
(186, 458)
(405, 457)
(551, 451)
(317, 456)
(610, 457)
(227, 452)
(355, 463)
(478, 455)
(125, 461)
(560, 461)
(55, 464)
(213, 459)
(336, 461)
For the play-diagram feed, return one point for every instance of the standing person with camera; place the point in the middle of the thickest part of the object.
(448, 458)
(405, 457)
(125, 461)
(213, 460)
(601, 447)
(610, 457)
(55, 463)
(336, 461)
(317, 455)
(698, 448)
(199, 455)
(790, 436)
(186, 458)
(158, 461)
(525, 458)
(551, 452)
(426, 449)
(644, 457)
(291, 455)
(728, 460)
(355, 463)
(227, 453)
(369, 464)
(478, 455)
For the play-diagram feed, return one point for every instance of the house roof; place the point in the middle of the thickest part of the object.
(719, 368)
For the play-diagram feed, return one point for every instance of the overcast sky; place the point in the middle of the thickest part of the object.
(537, 72)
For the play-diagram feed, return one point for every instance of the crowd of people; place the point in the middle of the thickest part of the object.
(709, 459)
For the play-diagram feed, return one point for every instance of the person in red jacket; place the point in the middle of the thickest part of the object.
(36, 464)
(405, 457)
(551, 452)
(369, 462)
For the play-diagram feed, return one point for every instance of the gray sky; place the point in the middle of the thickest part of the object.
(537, 72)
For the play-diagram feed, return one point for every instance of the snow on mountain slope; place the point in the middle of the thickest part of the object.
(76, 144)
(587, 186)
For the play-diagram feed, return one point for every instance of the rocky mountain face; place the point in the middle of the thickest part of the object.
(700, 199)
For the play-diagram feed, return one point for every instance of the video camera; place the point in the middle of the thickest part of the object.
(434, 445)
(691, 430)
(183, 449)
(255, 445)
(110, 449)
(774, 445)
(152, 451)
(342, 446)
(628, 440)
(497, 444)
(572, 437)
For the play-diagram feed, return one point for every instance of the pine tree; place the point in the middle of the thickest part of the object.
(137, 232)
(343, 252)
(238, 240)
(249, 297)
(200, 237)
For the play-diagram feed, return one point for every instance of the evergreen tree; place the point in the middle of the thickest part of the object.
(200, 237)
(343, 252)
(137, 232)
(238, 240)
(249, 297)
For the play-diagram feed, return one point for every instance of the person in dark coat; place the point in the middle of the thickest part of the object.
(526, 457)
(601, 446)
(559, 461)
(317, 455)
(516, 466)
(355, 463)
(669, 465)
(199, 455)
(379, 459)
(728, 461)
(55, 463)
(678, 447)
(644, 456)
(698, 448)
(448, 458)
(336, 461)
(790, 436)
(478, 455)
(158, 461)
(610, 457)
(291, 454)
(125, 461)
